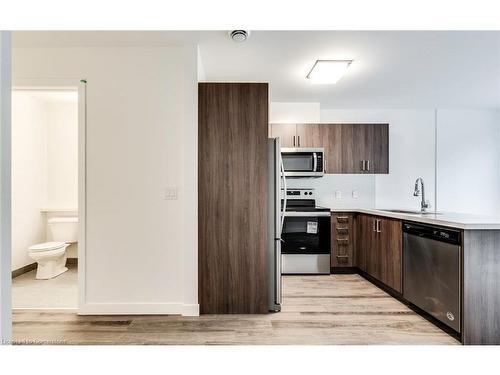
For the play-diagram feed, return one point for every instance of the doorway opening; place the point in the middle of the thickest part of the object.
(45, 185)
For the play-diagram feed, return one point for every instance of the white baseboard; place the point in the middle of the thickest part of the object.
(191, 309)
(139, 309)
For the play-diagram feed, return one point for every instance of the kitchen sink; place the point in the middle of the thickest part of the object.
(412, 212)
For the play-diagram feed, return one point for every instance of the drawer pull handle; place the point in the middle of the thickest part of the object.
(342, 217)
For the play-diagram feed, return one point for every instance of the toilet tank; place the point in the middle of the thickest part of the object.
(63, 229)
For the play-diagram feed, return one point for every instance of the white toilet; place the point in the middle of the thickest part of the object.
(51, 256)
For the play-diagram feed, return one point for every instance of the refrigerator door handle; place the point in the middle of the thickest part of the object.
(283, 210)
(277, 284)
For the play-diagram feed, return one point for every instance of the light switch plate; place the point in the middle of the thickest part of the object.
(355, 194)
(170, 193)
(338, 194)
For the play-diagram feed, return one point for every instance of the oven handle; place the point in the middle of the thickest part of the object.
(307, 214)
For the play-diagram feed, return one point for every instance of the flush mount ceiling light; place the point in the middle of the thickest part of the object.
(239, 36)
(328, 71)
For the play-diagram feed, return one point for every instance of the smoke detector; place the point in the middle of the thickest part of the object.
(239, 36)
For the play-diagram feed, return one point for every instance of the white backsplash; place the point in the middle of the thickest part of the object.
(339, 191)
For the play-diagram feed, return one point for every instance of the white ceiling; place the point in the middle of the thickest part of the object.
(391, 69)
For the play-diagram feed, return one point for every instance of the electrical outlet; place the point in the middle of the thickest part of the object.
(170, 193)
(338, 194)
(355, 194)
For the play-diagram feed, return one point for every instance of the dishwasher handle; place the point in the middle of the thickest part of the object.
(441, 234)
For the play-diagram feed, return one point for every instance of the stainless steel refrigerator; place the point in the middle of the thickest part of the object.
(276, 183)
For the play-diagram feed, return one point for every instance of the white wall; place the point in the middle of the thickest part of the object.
(62, 153)
(327, 187)
(468, 161)
(141, 113)
(290, 113)
(29, 175)
(411, 152)
(5, 186)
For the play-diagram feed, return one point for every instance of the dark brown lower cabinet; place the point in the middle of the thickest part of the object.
(390, 249)
(379, 249)
(232, 197)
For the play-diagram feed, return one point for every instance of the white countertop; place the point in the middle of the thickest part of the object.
(445, 219)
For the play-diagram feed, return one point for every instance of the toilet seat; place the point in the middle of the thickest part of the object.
(47, 246)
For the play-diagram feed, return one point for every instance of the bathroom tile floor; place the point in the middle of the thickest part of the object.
(59, 292)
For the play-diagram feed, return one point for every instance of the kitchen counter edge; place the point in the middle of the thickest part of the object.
(444, 219)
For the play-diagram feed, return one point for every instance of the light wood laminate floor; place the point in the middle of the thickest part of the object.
(335, 309)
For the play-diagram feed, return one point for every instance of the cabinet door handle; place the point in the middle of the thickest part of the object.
(362, 165)
(378, 227)
(293, 141)
(298, 141)
(368, 165)
(374, 225)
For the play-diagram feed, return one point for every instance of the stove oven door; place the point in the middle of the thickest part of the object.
(306, 243)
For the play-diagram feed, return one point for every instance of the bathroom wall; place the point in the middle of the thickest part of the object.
(62, 151)
(141, 255)
(29, 174)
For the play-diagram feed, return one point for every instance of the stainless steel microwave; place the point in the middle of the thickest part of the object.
(303, 161)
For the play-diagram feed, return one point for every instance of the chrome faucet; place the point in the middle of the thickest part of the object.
(424, 204)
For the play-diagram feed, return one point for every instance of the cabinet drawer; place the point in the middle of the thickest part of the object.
(342, 230)
(342, 240)
(342, 260)
(342, 219)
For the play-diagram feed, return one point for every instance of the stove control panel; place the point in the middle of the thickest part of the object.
(300, 194)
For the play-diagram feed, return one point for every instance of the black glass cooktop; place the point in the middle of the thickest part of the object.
(303, 205)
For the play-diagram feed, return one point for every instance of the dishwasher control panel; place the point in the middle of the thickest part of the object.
(440, 234)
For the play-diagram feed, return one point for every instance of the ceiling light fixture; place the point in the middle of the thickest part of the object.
(328, 71)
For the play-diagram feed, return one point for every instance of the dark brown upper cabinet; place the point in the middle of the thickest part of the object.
(327, 136)
(287, 133)
(349, 148)
(365, 148)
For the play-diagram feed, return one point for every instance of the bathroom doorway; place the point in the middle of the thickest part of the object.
(45, 188)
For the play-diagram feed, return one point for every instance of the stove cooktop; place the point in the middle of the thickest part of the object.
(307, 209)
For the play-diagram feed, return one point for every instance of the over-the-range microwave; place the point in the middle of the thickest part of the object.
(303, 161)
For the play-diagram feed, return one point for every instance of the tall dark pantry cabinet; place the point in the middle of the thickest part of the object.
(232, 197)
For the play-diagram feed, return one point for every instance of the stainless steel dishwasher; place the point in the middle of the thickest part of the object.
(431, 279)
